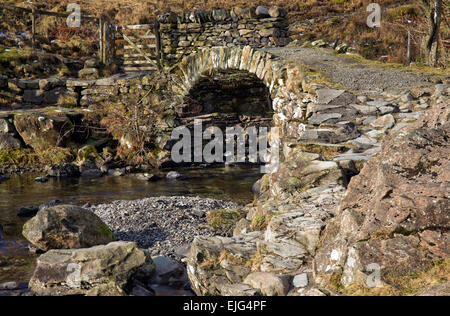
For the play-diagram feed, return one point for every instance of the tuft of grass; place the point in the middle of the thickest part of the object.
(223, 221)
(27, 157)
(18, 157)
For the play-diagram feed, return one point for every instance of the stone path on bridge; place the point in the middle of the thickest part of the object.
(351, 74)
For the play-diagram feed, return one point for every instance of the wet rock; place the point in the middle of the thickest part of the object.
(116, 172)
(62, 170)
(66, 226)
(92, 173)
(98, 271)
(28, 211)
(268, 283)
(151, 177)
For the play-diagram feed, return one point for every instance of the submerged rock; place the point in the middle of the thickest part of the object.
(66, 226)
(63, 170)
(41, 179)
(3, 178)
(28, 211)
(174, 175)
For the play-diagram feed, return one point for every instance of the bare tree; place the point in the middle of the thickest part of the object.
(430, 44)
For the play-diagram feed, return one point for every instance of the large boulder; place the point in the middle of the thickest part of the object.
(41, 132)
(394, 219)
(101, 270)
(66, 227)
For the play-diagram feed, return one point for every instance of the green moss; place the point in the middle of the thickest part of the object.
(260, 222)
(104, 230)
(18, 157)
(335, 281)
(88, 152)
(223, 221)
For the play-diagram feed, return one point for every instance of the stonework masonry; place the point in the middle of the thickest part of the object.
(258, 27)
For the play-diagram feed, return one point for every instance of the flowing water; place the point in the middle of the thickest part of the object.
(16, 263)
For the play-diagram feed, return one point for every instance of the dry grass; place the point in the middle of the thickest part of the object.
(407, 285)
(343, 20)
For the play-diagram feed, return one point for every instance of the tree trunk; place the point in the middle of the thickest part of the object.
(431, 40)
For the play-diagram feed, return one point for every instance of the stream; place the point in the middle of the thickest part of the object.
(17, 263)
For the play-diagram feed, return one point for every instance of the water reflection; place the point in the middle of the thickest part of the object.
(221, 183)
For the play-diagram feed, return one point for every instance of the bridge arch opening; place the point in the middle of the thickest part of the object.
(227, 98)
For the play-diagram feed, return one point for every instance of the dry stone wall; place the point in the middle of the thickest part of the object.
(257, 27)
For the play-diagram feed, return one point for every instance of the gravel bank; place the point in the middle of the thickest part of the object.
(164, 225)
